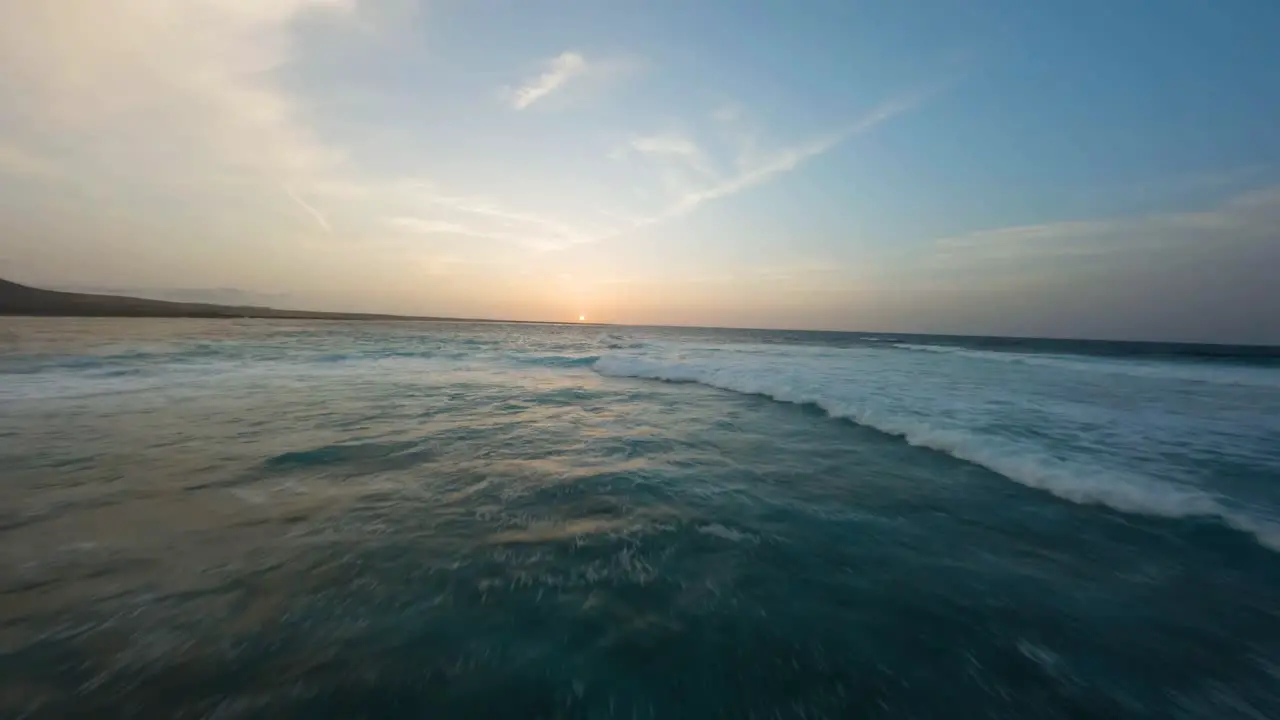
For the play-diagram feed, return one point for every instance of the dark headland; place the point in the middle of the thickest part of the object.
(18, 299)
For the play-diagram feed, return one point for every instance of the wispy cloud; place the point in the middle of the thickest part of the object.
(669, 144)
(1060, 238)
(516, 238)
(488, 209)
(427, 227)
(759, 171)
(676, 154)
(15, 160)
(673, 146)
(560, 70)
(727, 113)
(1255, 214)
(782, 162)
(443, 214)
(169, 93)
(319, 216)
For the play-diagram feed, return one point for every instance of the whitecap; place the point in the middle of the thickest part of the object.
(1082, 453)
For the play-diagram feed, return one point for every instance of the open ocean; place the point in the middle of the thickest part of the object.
(253, 519)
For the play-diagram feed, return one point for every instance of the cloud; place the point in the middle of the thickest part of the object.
(186, 100)
(168, 92)
(674, 146)
(560, 70)
(319, 217)
(15, 160)
(427, 227)
(676, 154)
(760, 171)
(1251, 215)
(482, 218)
(1062, 238)
(430, 226)
(489, 209)
(670, 144)
(782, 162)
(727, 113)
(1198, 276)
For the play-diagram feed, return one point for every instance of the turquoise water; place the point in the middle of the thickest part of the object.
(329, 520)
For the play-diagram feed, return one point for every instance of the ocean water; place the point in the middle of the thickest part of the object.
(226, 519)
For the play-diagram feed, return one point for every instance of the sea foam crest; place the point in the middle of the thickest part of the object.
(1206, 373)
(1033, 467)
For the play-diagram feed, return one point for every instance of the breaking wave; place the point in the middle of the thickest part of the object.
(1193, 372)
(1036, 465)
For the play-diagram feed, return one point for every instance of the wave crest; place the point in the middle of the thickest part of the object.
(1031, 467)
(1205, 373)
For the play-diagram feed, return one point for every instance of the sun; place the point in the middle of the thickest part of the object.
(582, 318)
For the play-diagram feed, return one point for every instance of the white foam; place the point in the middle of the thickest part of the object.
(928, 411)
(1220, 374)
(725, 533)
(163, 379)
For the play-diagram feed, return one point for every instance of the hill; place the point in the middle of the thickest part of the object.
(16, 299)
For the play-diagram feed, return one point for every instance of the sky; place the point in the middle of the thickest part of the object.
(1065, 168)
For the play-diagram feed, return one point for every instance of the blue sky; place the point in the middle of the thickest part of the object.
(1054, 168)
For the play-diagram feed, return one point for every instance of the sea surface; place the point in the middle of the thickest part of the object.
(273, 519)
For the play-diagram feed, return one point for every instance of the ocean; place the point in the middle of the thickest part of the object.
(255, 518)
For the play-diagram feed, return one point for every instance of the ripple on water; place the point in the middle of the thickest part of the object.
(463, 521)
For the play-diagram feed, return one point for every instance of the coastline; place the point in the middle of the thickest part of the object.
(18, 300)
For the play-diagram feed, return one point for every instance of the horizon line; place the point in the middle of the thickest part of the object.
(346, 316)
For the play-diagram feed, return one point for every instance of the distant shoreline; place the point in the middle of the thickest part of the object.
(18, 300)
(289, 315)
(24, 301)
